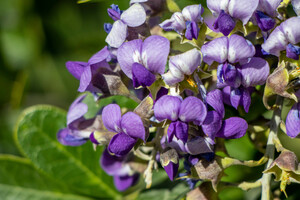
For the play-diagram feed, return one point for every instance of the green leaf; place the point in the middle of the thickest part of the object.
(172, 6)
(19, 180)
(78, 167)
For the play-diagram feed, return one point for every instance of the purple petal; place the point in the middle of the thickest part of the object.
(178, 145)
(293, 121)
(212, 124)
(128, 54)
(246, 99)
(239, 49)
(171, 131)
(264, 22)
(65, 137)
(269, 6)
(121, 144)
(174, 75)
(276, 42)
(236, 97)
(99, 58)
(217, 5)
(122, 183)
(76, 111)
(231, 75)
(224, 23)
(197, 146)
(111, 117)
(167, 107)
(292, 51)
(255, 72)
(296, 6)
(186, 62)
(113, 165)
(192, 30)
(176, 23)
(193, 13)
(133, 126)
(242, 9)
(117, 35)
(76, 68)
(155, 52)
(134, 16)
(85, 80)
(291, 30)
(226, 95)
(192, 109)
(171, 170)
(216, 50)
(141, 76)
(114, 12)
(233, 128)
(181, 131)
(215, 99)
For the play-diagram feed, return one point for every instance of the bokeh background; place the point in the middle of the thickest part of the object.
(37, 38)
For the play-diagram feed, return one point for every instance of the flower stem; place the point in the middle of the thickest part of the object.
(270, 149)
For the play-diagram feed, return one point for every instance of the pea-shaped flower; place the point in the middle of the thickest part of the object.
(180, 112)
(128, 127)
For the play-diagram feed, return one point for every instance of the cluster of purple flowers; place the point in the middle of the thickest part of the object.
(188, 120)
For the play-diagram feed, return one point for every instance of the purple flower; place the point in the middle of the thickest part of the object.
(134, 16)
(238, 68)
(75, 133)
(141, 61)
(119, 169)
(180, 112)
(88, 72)
(228, 11)
(293, 119)
(286, 36)
(215, 126)
(187, 20)
(129, 128)
(181, 65)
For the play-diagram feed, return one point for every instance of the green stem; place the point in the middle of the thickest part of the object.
(270, 149)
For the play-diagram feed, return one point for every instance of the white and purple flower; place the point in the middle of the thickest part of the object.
(186, 20)
(141, 61)
(238, 68)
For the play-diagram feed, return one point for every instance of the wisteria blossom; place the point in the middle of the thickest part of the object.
(286, 37)
(186, 20)
(142, 61)
(134, 16)
(128, 127)
(124, 176)
(228, 11)
(181, 65)
(180, 112)
(237, 67)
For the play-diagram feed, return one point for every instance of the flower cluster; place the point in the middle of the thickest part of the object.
(181, 92)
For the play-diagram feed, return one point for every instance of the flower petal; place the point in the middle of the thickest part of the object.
(133, 126)
(113, 165)
(255, 72)
(293, 121)
(65, 137)
(225, 23)
(167, 107)
(192, 109)
(172, 79)
(291, 30)
(171, 169)
(269, 6)
(276, 42)
(134, 16)
(76, 68)
(242, 9)
(76, 110)
(181, 131)
(246, 99)
(186, 62)
(216, 6)
(99, 58)
(239, 49)
(212, 124)
(192, 31)
(111, 117)
(193, 13)
(141, 76)
(85, 80)
(176, 23)
(128, 54)
(215, 99)
(122, 183)
(117, 34)
(121, 144)
(233, 128)
(236, 97)
(215, 50)
(155, 52)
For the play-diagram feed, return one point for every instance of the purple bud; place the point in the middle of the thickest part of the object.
(169, 160)
(114, 12)
(107, 27)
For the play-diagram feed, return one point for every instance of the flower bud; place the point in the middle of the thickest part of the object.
(169, 160)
